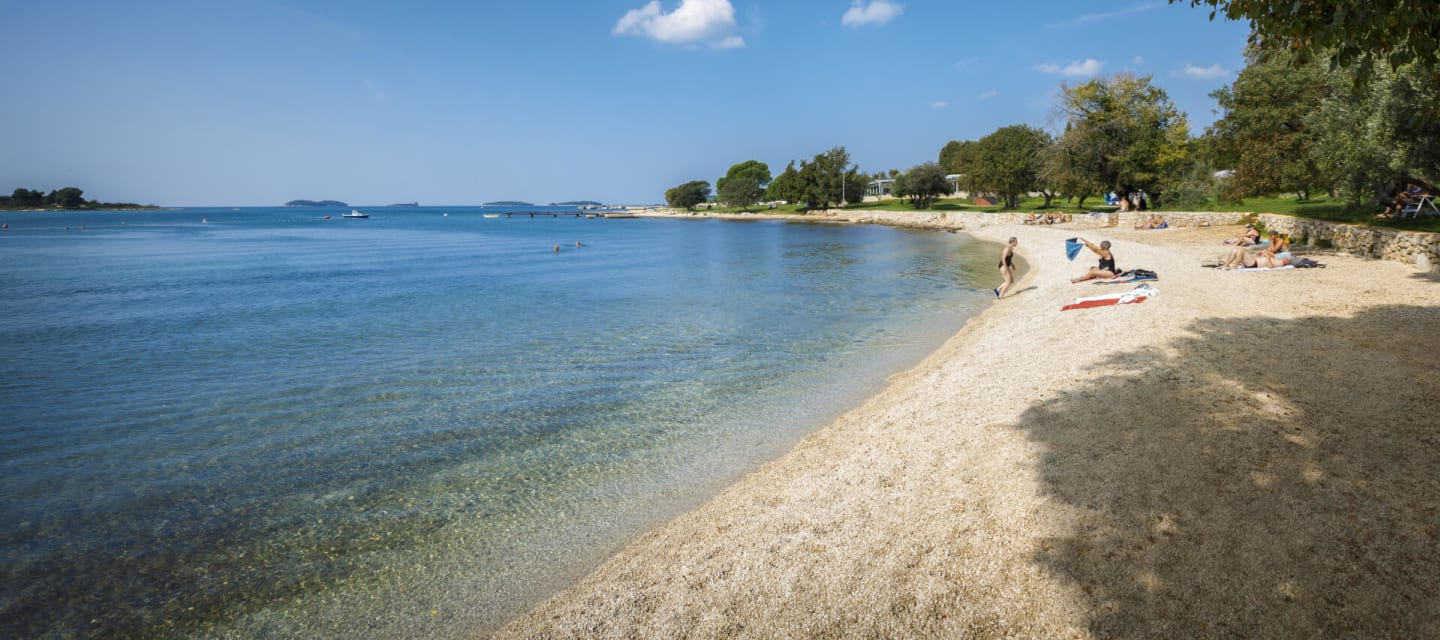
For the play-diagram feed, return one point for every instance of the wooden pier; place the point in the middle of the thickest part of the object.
(568, 214)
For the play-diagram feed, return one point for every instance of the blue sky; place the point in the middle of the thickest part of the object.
(256, 102)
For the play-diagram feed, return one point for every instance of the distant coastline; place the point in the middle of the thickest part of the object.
(316, 203)
(508, 203)
(63, 199)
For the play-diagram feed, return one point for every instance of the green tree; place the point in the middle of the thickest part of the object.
(828, 178)
(69, 198)
(27, 199)
(960, 157)
(1352, 35)
(1371, 142)
(922, 184)
(785, 186)
(688, 195)
(1261, 133)
(1007, 162)
(1130, 130)
(744, 184)
(1071, 166)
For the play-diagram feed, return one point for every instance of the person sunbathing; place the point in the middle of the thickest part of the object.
(1274, 256)
(1278, 244)
(1249, 237)
(1106, 269)
(1239, 258)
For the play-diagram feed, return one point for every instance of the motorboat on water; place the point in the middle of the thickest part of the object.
(355, 214)
(491, 215)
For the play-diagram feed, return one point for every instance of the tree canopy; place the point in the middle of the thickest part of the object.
(960, 157)
(1007, 162)
(1372, 142)
(1262, 132)
(826, 179)
(1127, 133)
(63, 198)
(921, 185)
(1352, 35)
(744, 184)
(688, 195)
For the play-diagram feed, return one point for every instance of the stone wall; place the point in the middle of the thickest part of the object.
(1410, 247)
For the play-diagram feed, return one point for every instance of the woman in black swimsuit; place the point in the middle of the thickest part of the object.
(1007, 268)
(1107, 268)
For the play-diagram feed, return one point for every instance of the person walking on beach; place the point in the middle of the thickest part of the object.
(1007, 269)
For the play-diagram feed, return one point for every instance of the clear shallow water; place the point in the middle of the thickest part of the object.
(415, 424)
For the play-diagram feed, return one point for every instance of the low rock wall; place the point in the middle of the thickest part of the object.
(1410, 247)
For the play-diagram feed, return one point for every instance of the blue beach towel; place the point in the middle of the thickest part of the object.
(1073, 247)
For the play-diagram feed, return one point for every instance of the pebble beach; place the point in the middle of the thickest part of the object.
(1246, 454)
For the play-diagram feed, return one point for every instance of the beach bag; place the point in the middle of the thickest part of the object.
(1305, 263)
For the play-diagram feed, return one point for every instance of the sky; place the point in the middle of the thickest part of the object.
(449, 102)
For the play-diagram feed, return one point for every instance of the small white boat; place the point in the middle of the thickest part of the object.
(355, 214)
(491, 215)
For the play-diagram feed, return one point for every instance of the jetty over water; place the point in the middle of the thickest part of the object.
(567, 214)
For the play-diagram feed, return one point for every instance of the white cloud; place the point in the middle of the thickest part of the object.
(1211, 72)
(939, 104)
(1109, 15)
(693, 22)
(1139, 60)
(1086, 68)
(877, 12)
(988, 95)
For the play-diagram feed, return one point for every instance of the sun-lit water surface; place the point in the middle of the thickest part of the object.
(270, 424)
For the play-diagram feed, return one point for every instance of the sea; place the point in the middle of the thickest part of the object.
(281, 423)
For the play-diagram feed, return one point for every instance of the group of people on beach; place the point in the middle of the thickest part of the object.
(1105, 270)
(1153, 221)
(1272, 255)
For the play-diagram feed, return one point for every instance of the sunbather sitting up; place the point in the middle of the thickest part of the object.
(1249, 237)
(1106, 269)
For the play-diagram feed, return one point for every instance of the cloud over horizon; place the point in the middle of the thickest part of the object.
(876, 12)
(1087, 68)
(709, 22)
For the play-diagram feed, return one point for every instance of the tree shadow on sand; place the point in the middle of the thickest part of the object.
(1260, 478)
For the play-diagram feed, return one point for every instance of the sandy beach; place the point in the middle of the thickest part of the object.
(1247, 455)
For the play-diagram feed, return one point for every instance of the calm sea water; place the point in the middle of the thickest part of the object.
(270, 424)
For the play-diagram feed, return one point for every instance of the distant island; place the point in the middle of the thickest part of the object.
(577, 203)
(404, 204)
(66, 199)
(316, 203)
(509, 203)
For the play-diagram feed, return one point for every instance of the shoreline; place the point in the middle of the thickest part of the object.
(1129, 470)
